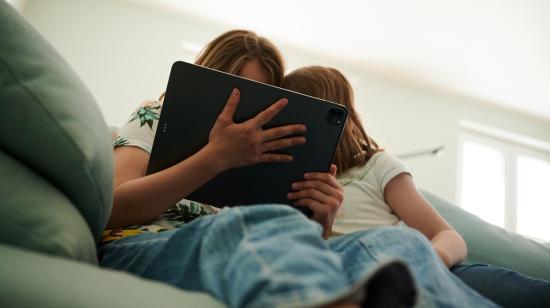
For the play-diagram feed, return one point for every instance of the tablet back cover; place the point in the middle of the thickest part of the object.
(195, 96)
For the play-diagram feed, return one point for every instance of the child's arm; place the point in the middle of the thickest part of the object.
(404, 199)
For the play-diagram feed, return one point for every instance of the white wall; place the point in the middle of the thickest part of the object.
(123, 53)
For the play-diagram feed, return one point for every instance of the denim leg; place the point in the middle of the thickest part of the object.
(437, 287)
(258, 256)
(504, 286)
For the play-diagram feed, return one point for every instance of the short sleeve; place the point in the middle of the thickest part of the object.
(140, 129)
(387, 167)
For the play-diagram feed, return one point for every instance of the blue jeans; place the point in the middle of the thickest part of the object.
(269, 256)
(505, 287)
(437, 286)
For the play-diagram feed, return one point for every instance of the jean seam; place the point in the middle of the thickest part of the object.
(265, 268)
(369, 252)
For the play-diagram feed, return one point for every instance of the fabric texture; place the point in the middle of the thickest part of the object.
(181, 213)
(139, 131)
(273, 256)
(32, 279)
(60, 136)
(364, 205)
(37, 216)
(437, 287)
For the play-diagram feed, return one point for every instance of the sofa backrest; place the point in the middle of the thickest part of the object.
(490, 244)
(56, 165)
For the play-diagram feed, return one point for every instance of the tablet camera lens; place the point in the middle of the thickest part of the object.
(335, 116)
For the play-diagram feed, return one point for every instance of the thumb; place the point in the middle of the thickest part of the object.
(333, 169)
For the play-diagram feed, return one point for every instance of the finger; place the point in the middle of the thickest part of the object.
(309, 193)
(281, 131)
(320, 185)
(272, 157)
(231, 105)
(323, 176)
(315, 206)
(333, 170)
(265, 116)
(319, 214)
(282, 143)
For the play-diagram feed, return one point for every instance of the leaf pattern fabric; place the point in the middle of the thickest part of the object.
(183, 212)
(146, 115)
(120, 141)
(139, 131)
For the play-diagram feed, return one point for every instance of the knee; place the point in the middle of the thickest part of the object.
(268, 221)
(271, 212)
(261, 214)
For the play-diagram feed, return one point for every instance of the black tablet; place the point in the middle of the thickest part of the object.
(196, 95)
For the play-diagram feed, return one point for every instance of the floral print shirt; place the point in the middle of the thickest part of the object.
(139, 132)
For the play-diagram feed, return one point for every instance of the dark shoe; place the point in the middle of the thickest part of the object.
(391, 285)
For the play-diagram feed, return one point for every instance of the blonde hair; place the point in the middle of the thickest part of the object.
(230, 51)
(355, 147)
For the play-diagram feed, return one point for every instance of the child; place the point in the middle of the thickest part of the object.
(379, 191)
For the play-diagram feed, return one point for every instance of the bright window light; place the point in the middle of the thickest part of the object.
(533, 199)
(483, 182)
(503, 179)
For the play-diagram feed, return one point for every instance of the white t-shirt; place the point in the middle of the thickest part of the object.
(140, 130)
(364, 206)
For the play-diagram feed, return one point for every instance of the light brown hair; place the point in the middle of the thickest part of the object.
(355, 147)
(230, 51)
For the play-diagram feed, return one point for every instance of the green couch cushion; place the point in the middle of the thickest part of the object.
(493, 245)
(51, 123)
(37, 280)
(34, 214)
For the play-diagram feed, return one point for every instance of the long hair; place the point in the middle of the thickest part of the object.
(355, 147)
(230, 51)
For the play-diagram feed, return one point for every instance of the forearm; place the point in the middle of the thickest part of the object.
(450, 247)
(143, 199)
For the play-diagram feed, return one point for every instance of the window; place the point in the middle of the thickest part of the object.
(504, 179)
(483, 182)
(533, 199)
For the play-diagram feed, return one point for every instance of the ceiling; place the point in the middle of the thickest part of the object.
(497, 51)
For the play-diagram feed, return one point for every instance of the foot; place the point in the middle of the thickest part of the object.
(391, 286)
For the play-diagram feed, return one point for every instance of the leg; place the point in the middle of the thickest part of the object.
(360, 251)
(505, 287)
(259, 256)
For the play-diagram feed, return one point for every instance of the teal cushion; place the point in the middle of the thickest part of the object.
(37, 280)
(51, 123)
(35, 215)
(493, 245)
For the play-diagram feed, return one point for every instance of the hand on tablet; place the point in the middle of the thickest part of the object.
(241, 144)
(322, 194)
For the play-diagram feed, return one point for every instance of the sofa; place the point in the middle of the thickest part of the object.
(56, 185)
